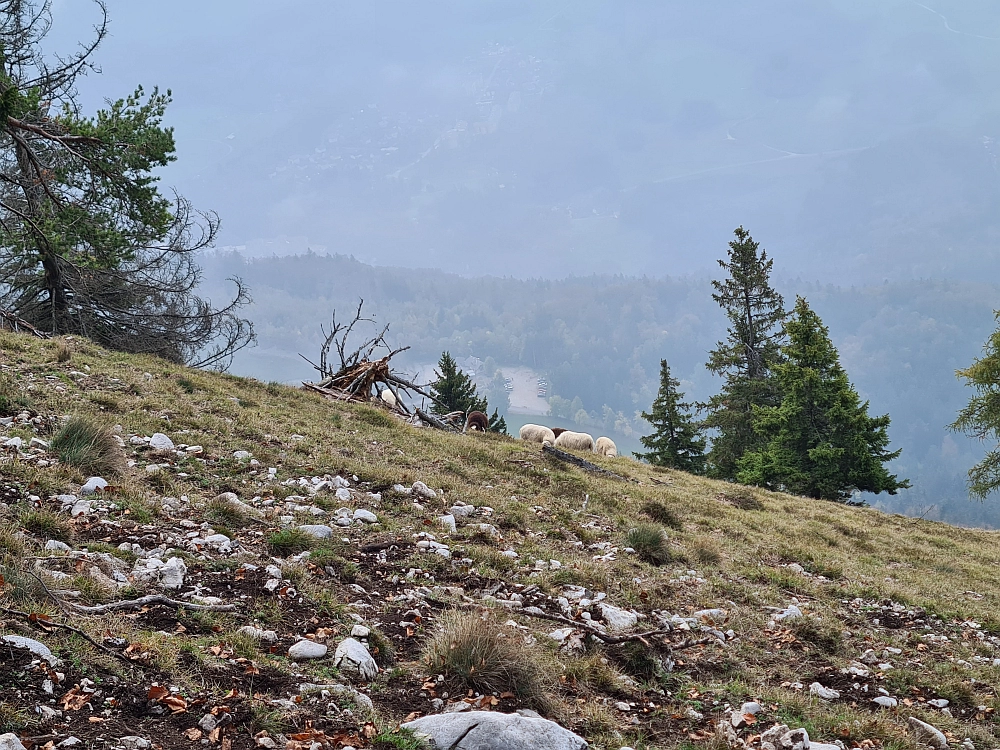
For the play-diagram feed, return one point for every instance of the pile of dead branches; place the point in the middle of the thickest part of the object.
(361, 374)
(10, 322)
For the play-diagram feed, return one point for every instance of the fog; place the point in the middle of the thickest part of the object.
(858, 141)
(543, 138)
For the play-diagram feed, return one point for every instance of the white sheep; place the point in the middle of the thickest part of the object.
(605, 446)
(575, 441)
(388, 398)
(536, 433)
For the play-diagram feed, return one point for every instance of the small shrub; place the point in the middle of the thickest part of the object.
(825, 635)
(650, 542)
(706, 551)
(88, 446)
(289, 541)
(742, 499)
(48, 525)
(663, 515)
(220, 510)
(12, 401)
(186, 385)
(475, 650)
(63, 352)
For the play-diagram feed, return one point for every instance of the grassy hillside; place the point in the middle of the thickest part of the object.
(891, 604)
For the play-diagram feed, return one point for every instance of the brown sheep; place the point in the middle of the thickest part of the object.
(557, 431)
(477, 422)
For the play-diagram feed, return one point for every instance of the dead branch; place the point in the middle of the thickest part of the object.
(581, 462)
(145, 601)
(10, 322)
(47, 623)
(435, 421)
(617, 639)
(380, 546)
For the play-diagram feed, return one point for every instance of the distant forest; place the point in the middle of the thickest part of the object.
(599, 340)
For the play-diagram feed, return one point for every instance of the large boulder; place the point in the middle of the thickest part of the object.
(486, 730)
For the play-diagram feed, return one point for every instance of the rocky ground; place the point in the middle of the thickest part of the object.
(269, 569)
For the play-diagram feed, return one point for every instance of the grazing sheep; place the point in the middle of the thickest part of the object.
(388, 398)
(536, 433)
(605, 446)
(477, 421)
(557, 431)
(575, 441)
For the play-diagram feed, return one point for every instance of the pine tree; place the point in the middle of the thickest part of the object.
(676, 441)
(747, 356)
(453, 389)
(497, 423)
(820, 441)
(981, 417)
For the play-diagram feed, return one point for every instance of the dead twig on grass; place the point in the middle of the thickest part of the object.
(618, 639)
(145, 601)
(580, 462)
(42, 623)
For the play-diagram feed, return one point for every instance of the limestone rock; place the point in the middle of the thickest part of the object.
(928, 734)
(306, 649)
(617, 619)
(36, 648)
(93, 485)
(317, 531)
(10, 741)
(487, 730)
(365, 516)
(161, 442)
(351, 656)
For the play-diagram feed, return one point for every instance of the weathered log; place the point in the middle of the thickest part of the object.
(581, 462)
(435, 422)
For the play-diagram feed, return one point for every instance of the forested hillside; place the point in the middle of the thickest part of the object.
(600, 339)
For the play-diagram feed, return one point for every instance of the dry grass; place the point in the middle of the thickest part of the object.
(89, 446)
(475, 649)
(650, 543)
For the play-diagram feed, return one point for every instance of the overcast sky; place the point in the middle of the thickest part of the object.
(854, 139)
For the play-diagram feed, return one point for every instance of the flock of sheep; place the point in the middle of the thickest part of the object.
(569, 440)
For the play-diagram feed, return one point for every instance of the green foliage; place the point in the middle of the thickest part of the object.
(663, 515)
(980, 418)
(675, 442)
(650, 543)
(819, 441)
(88, 446)
(289, 541)
(454, 390)
(47, 525)
(12, 401)
(746, 358)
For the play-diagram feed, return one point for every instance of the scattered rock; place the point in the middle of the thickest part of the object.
(823, 693)
(462, 511)
(422, 490)
(617, 619)
(54, 545)
(317, 531)
(938, 703)
(365, 516)
(306, 649)
(352, 657)
(135, 743)
(487, 730)
(93, 485)
(36, 648)
(161, 442)
(242, 455)
(360, 631)
(10, 741)
(931, 735)
(81, 508)
(885, 701)
(172, 573)
(264, 636)
(448, 522)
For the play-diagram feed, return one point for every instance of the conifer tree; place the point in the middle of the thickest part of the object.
(453, 389)
(820, 441)
(456, 392)
(747, 356)
(981, 417)
(676, 441)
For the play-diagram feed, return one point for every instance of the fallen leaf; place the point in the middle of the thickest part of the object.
(411, 716)
(95, 719)
(193, 734)
(157, 693)
(75, 699)
(175, 703)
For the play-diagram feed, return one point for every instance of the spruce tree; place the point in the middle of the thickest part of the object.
(453, 389)
(819, 441)
(747, 356)
(981, 417)
(676, 441)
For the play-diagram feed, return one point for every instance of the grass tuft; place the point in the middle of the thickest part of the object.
(650, 542)
(48, 525)
(663, 515)
(290, 541)
(475, 650)
(88, 446)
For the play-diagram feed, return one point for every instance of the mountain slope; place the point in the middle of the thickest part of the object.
(881, 603)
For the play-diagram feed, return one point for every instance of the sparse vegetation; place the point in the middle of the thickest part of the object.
(650, 543)
(476, 650)
(289, 541)
(88, 446)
